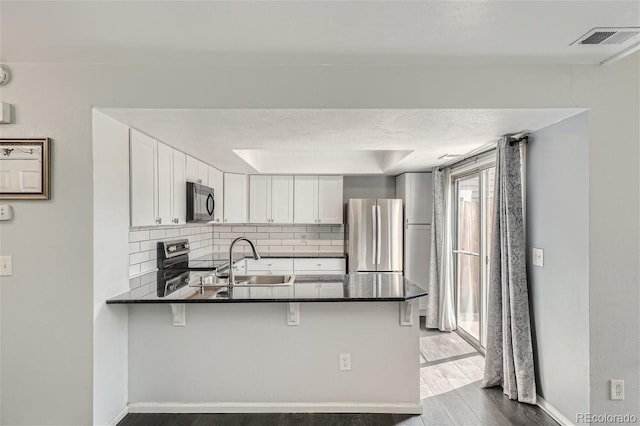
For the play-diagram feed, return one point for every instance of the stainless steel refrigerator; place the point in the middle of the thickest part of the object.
(375, 243)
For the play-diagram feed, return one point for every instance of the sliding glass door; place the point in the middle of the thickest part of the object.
(473, 206)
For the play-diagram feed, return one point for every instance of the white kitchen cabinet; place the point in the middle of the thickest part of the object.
(330, 200)
(179, 194)
(417, 243)
(216, 181)
(305, 199)
(324, 266)
(270, 199)
(318, 199)
(416, 190)
(275, 266)
(197, 171)
(143, 164)
(235, 198)
(165, 184)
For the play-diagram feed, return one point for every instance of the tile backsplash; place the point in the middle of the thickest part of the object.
(281, 238)
(143, 243)
(205, 239)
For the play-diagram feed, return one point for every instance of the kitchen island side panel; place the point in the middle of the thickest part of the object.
(246, 353)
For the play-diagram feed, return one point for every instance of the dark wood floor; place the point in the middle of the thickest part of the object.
(450, 394)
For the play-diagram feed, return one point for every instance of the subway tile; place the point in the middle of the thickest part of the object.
(281, 235)
(269, 229)
(134, 269)
(306, 236)
(206, 229)
(148, 245)
(244, 229)
(138, 236)
(317, 229)
(335, 236)
(134, 247)
(281, 249)
(157, 234)
(337, 243)
(305, 249)
(256, 235)
(294, 229)
(319, 242)
(193, 238)
(231, 235)
(138, 257)
(330, 249)
(134, 283)
(337, 228)
(148, 279)
(294, 242)
(173, 232)
(218, 228)
(148, 266)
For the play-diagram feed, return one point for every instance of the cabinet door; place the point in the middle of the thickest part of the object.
(235, 198)
(330, 202)
(419, 194)
(418, 256)
(165, 184)
(191, 169)
(203, 173)
(216, 181)
(282, 199)
(259, 199)
(179, 188)
(143, 169)
(305, 199)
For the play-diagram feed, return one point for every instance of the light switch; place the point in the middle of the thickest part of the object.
(538, 257)
(6, 212)
(6, 267)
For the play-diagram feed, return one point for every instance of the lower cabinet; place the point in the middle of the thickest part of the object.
(306, 266)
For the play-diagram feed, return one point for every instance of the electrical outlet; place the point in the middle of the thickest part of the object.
(6, 266)
(345, 362)
(6, 213)
(617, 389)
(538, 257)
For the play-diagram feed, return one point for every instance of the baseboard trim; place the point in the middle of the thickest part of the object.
(273, 407)
(553, 412)
(119, 416)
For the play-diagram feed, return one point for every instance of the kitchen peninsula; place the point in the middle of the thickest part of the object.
(304, 347)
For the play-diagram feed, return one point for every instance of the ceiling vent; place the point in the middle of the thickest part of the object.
(609, 35)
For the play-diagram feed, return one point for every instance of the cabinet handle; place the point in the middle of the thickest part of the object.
(226, 220)
(218, 220)
(319, 264)
(199, 180)
(158, 221)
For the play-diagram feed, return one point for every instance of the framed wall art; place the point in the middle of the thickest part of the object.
(24, 169)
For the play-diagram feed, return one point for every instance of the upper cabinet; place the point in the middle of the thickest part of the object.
(216, 181)
(157, 182)
(235, 198)
(318, 199)
(416, 190)
(270, 199)
(197, 171)
(143, 157)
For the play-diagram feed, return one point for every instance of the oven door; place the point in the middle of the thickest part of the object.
(200, 203)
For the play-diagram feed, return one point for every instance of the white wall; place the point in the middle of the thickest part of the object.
(111, 216)
(45, 306)
(246, 353)
(558, 222)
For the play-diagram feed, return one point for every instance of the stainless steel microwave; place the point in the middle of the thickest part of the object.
(200, 203)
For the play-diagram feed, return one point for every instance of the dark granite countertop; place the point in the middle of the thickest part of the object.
(358, 287)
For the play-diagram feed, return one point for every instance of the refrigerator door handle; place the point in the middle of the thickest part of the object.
(373, 240)
(379, 235)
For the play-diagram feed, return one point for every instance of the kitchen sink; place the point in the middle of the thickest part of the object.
(246, 281)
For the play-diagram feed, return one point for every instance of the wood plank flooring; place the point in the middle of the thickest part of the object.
(450, 393)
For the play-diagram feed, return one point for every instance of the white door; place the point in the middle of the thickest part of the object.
(305, 199)
(165, 184)
(419, 195)
(216, 181)
(330, 202)
(282, 199)
(179, 188)
(235, 198)
(417, 242)
(259, 199)
(143, 169)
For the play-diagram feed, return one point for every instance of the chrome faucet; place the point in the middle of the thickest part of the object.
(256, 256)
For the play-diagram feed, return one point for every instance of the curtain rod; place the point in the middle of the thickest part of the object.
(483, 150)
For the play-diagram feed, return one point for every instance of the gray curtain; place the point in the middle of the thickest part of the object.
(509, 354)
(440, 301)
